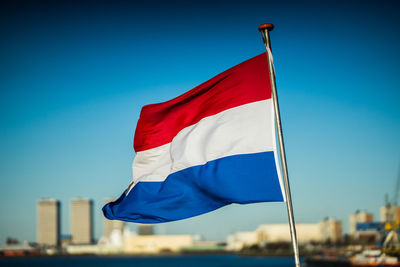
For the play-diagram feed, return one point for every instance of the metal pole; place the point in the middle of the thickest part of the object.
(265, 29)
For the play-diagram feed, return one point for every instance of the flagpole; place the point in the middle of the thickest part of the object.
(265, 29)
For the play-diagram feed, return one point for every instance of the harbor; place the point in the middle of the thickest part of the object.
(200, 133)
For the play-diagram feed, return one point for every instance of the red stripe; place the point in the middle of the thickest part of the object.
(244, 83)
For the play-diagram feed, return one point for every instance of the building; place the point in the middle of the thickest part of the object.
(272, 233)
(81, 221)
(369, 232)
(65, 240)
(331, 229)
(156, 243)
(145, 229)
(20, 249)
(358, 217)
(390, 213)
(48, 222)
(112, 225)
(240, 240)
(326, 230)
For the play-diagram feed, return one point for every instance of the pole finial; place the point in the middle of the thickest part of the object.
(268, 26)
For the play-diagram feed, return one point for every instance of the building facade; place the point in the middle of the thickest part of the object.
(240, 240)
(390, 213)
(48, 222)
(326, 230)
(156, 243)
(331, 230)
(359, 217)
(271, 233)
(81, 221)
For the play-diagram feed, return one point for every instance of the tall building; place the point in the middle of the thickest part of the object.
(359, 217)
(112, 225)
(48, 222)
(81, 221)
(390, 213)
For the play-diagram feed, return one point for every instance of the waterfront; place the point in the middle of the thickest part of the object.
(165, 261)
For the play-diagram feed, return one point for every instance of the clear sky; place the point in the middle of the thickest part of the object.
(75, 74)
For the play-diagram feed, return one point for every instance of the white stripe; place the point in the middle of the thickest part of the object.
(244, 129)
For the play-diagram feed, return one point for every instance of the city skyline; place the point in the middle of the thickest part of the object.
(83, 207)
(75, 76)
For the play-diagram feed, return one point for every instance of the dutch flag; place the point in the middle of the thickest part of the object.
(212, 146)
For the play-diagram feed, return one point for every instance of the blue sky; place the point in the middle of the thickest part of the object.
(74, 75)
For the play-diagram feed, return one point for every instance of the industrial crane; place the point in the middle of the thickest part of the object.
(391, 242)
(391, 205)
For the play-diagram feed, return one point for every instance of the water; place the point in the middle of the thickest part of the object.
(161, 261)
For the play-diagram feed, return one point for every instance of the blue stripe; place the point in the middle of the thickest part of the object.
(240, 179)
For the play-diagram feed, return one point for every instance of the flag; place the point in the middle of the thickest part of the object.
(210, 147)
